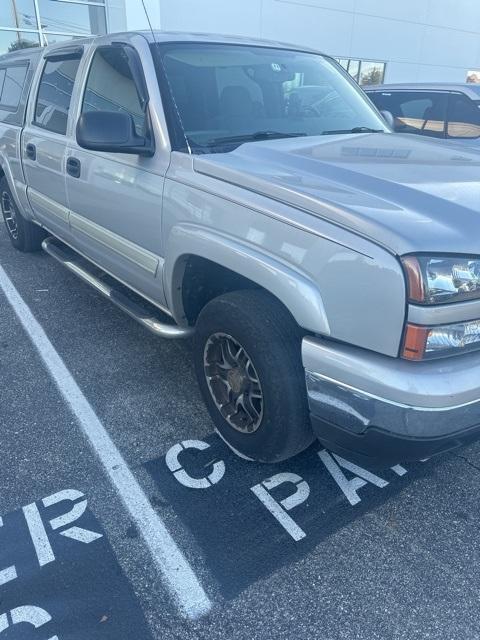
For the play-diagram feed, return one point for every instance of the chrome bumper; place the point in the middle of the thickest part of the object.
(352, 392)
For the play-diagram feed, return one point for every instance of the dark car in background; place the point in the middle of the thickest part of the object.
(447, 111)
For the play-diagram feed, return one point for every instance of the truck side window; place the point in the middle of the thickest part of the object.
(12, 80)
(463, 117)
(55, 94)
(111, 86)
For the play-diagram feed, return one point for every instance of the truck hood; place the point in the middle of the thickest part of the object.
(404, 192)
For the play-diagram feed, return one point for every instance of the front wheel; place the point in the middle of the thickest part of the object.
(248, 364)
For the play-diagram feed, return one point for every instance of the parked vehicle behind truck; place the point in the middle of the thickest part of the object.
(246, 193)
(445, 111)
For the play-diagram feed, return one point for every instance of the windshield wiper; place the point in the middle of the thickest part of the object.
(354, 130)
(258, 135)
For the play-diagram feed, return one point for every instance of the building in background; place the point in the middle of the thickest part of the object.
(29, 23)
(375, 40)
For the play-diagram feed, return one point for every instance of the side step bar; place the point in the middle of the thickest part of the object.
(73, 263)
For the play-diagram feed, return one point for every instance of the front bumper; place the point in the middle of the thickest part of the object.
(378, 410)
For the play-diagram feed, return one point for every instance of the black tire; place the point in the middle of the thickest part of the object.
(271, 339)
(24, 235)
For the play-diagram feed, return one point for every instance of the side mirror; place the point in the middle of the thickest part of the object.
(389, 119)
(111, 131)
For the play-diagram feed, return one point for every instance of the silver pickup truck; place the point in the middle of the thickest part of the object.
(248, 194)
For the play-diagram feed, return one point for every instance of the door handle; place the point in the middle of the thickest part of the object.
(74, 167)
(31, 151)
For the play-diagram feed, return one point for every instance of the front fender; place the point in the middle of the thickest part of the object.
(287, 283)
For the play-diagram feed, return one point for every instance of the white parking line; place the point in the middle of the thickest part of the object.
(178, 575)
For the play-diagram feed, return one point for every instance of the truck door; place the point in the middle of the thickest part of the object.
(115, 199)
(44, 140)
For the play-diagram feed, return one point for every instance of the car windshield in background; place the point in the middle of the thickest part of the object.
(226, 95)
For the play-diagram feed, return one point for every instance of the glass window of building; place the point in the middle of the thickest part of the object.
(473, 76)
(365, 72)
(20, 13)
(371, 72)
(72, 17)
(27, 23)
(14, 40)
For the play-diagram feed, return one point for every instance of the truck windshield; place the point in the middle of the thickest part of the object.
(223, 95)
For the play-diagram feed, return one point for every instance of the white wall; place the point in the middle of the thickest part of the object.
(420, 39)
(136, 14)
(116, 15)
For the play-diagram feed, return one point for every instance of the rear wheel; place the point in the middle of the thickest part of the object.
(248, 364)
(24, 235)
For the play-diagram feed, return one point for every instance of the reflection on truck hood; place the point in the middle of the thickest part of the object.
(404, 192)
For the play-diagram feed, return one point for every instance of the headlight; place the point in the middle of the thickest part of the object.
(437, 280)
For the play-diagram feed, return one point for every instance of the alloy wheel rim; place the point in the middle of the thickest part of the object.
(9, 215)
(233, 383)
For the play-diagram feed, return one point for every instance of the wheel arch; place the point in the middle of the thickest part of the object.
(6, 172)
(252, 268)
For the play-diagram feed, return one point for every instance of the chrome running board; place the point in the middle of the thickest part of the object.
(73, 262)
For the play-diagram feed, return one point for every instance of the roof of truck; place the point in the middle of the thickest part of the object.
(179, 36)
(160, 37)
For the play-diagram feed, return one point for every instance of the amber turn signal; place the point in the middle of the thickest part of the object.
(415, 342)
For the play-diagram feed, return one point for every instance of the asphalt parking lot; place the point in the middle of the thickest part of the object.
(312, 548)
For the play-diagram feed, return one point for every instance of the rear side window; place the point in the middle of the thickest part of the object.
(55, 94)
(111, 86)
(12, 81)
(419, 112)
(463, 117)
